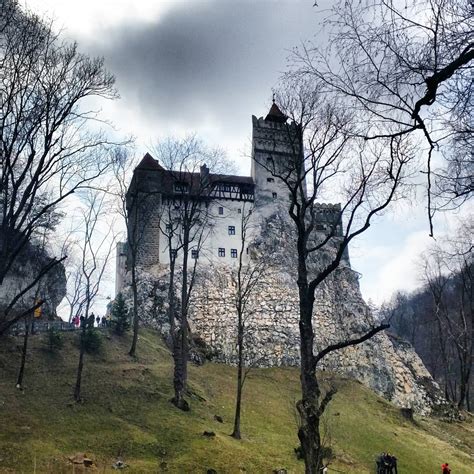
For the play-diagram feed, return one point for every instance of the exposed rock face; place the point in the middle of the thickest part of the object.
(387, 365)
(51, 287)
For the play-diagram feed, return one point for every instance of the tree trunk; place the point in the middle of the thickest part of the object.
(133, 348)
(308, 406)
(82, 347)
(180, 371)
(19, 382)
(176, 335)
(465, 372)
(240, 339)
(468, 398)
(181, 349)
(462, 393)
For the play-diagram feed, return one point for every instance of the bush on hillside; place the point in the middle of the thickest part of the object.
(120, 315)
(92, 341)
(54, 340)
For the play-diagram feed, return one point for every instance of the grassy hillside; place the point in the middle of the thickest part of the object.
(126, 410)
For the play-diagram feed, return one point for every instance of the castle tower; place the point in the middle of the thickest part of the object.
(275, 148)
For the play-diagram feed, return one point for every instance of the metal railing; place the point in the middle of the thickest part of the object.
(38, 327)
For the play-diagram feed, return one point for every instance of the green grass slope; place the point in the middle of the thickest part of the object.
(126, 411)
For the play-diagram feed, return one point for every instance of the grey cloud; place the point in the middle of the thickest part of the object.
(213, 59)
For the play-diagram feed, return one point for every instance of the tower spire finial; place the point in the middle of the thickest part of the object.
(275, 114)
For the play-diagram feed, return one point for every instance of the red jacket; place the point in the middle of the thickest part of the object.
(445, 468)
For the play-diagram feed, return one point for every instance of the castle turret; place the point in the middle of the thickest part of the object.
(275, 150)
(275, 114)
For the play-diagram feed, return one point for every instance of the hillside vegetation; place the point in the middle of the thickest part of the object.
(126, 411)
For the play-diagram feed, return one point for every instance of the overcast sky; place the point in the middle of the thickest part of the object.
(208, 66)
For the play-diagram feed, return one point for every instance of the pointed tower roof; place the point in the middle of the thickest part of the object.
(275, 114)
(149, 163)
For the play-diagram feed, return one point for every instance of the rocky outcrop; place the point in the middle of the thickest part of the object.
(386, 364)
(51, 287)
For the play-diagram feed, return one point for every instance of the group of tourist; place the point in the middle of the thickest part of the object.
(79, 321)
(386, 464)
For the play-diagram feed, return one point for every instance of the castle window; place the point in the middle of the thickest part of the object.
(233, 253)
(169, 228)
(239, 211)
(274, 195)
(270, 180)
(194, 254)
(174, 253)
(181, 188)
(221, 211)
(270, 162)
(221, 252)
(231, 230)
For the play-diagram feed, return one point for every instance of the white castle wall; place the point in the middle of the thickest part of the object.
(216, 235)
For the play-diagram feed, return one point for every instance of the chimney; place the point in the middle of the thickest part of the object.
(204, 176)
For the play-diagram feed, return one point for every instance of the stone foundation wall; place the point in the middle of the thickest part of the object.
(387, 365)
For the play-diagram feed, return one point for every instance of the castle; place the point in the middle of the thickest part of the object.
(227, 197)
(385, 364)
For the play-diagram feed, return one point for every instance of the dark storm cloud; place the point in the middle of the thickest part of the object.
(206, 59)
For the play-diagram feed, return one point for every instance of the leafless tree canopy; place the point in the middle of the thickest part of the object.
(95, 247)
(247, 279)
(185, 221)
(438, 318)
(132, 203)
(405, 67)
(50, 142)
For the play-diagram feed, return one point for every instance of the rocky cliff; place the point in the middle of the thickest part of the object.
(51, 287)
(387, 365)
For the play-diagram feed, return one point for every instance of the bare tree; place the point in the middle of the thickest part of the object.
(400, 314)
(405, 68)
(34, 312)
(96, 247)
(28, 320)
(323, 156)
(437, 318)
(134, 205)
(448, 275)
(73, 266)
(246, 279)
(47, 150)
(185, 222)
(75, 287)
